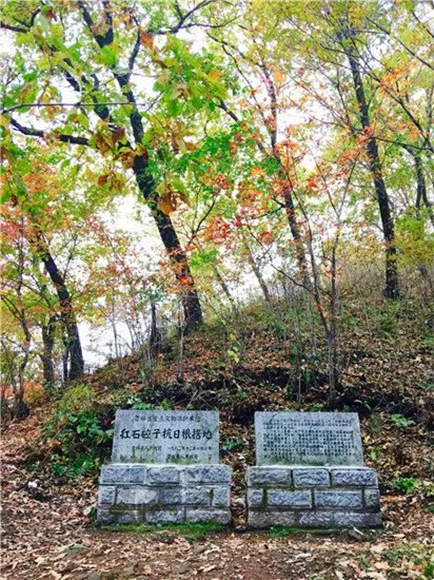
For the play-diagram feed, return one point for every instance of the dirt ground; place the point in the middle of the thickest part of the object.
(47, 532)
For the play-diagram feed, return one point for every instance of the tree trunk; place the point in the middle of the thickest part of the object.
(421, 197)
(21, 409)
(47, 353)
(225, 288)
(6, 413)
(67, 314)
(296, 236)
(145, 181)
(179, 371)
(190, 300)
(272, 128)
(392, 286)
(421, 188)
(155, 335)
(332, 334)
(257, 272)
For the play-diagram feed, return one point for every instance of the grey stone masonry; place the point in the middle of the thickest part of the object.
(310, 473)
(312, 497)
(130, 493)
(165, 470)
(354, 476)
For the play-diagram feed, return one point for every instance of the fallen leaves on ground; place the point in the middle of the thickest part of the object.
(48, 534)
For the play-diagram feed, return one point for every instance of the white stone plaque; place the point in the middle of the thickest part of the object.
(308, 439)
(182, 437)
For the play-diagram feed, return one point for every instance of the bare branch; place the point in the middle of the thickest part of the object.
(78, 104)
(13, 28)
(407, 48)
(31, 132)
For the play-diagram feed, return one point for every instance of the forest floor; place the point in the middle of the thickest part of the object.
(48, 532)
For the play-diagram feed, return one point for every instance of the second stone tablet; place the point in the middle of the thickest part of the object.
(310, 473)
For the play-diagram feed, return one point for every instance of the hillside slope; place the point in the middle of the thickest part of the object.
(52, 461)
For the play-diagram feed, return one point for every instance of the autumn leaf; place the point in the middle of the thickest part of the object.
(146, 39)
(102, 179)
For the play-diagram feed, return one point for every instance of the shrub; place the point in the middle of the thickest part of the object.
(81, 432)
(401, 421)
(405, 484)
(77, 398)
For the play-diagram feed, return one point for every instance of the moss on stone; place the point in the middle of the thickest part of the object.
(191, 532)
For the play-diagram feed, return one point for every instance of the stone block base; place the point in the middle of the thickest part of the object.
(168, 494)
(318, 497)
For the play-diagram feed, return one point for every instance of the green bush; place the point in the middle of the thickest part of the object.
(429, 570)
(401, 421)
(82, 440)
(76, 399)
(233, 444)
(405, 484)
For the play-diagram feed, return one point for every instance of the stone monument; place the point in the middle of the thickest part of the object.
(165, 469)
(309, 473)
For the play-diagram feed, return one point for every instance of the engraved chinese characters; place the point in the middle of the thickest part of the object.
(308, 439)
(182, 437)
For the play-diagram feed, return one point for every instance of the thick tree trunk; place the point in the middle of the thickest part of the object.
(145, 181)
(392, 286)
(6, 413)
(47, 353)
(67, 314)
(20, 410)
(190, 300)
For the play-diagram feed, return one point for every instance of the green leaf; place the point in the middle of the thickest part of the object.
(109, 56)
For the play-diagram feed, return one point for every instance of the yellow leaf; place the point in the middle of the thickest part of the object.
(161, 188)
(190, 146)
(166, 204)
(4, 121)
(215, 75)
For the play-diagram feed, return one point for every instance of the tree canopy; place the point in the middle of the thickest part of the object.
(252, 142)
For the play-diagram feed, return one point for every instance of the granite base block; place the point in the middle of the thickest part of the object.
(267, 519)
(156, 494)
(326, 497)
(214, 515)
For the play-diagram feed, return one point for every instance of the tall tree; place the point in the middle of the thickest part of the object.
(30, 189)
(265, 108)
(347, 37)
(117, 40)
